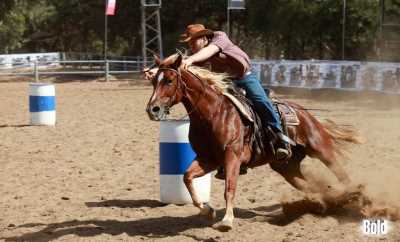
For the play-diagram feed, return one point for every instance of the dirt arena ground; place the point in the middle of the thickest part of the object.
(94, 176)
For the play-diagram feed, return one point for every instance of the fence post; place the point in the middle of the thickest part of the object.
(90, 63)
(107, 69)
(63, 58)
(36, 71)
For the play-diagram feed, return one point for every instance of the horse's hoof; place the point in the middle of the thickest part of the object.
(316, 203)
(223, 226)
(212, 215)
(318, 208)
(209, 212)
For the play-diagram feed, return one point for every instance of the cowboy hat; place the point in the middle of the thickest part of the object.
(194, 31)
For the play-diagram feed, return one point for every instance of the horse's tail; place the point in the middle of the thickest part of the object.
(342, 135)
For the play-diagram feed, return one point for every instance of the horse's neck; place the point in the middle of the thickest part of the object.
(200, 98)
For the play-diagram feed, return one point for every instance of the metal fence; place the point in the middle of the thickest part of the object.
(104, 68)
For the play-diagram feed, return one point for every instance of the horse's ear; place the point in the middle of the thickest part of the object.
(157, 60)
(177, 62)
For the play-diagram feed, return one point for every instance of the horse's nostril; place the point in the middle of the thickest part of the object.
(155, 109)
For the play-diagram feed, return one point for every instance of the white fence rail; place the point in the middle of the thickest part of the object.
(64, 67)
(310, 74)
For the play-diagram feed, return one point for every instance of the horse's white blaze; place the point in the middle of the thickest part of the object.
(160, 76)
(153, 97)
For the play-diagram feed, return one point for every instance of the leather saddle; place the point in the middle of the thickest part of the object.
(287, 114)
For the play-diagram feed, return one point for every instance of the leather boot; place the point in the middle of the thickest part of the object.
(282, 151)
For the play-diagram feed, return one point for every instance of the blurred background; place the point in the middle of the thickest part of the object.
(267, 29)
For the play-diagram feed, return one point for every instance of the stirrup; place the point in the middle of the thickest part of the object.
(282, 154)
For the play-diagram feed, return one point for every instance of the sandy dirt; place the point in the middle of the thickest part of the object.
(94, 176)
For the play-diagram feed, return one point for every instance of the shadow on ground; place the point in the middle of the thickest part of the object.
(154, 228)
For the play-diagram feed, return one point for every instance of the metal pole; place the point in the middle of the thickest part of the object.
(381, 19)
(159, 39)
(343, 28)
(105, 46)
(105, 34)
(107, 69)
(144, 40)
(227, 18)
(36, 71)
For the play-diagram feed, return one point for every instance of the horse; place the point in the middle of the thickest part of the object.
(221, 136)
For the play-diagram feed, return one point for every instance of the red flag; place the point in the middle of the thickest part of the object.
(110, 8)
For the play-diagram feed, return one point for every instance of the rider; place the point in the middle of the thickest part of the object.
(215, 49)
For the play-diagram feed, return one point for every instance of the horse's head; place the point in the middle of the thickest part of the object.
(167, 87)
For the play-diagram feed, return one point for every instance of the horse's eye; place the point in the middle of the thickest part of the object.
(168, 81)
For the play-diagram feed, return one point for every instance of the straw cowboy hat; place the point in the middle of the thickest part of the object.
(194, 31)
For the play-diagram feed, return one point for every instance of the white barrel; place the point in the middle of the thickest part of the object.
(42, 104)
(176, 155)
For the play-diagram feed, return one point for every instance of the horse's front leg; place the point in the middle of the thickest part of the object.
(195, 170)
(232, 169)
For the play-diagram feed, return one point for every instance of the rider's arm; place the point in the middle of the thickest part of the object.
(204, 53)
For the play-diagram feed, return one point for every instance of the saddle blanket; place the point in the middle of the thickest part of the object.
(239, 105)
(285, 111)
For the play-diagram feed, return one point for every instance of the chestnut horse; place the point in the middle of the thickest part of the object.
(220, 136)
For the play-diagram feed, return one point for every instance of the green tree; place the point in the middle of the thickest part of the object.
(292, 29)
(12, 28)
(313, 29)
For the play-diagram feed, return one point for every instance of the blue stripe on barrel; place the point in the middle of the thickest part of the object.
(175, 158)
(42, 103)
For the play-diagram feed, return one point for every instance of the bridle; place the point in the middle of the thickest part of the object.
(178, 85)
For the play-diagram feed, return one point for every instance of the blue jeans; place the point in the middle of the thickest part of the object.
(262, 104)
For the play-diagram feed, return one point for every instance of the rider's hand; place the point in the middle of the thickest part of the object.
(186, 63)
(149, 74)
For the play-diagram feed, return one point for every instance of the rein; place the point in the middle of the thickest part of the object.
(180, 82)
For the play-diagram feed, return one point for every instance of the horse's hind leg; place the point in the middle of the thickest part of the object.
(292, 174)
(197, 170)
(327, 156)
(291, 170)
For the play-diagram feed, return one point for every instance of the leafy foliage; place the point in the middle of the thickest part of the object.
(290, 29)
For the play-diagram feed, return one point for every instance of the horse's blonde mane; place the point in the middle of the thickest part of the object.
(219, 81)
